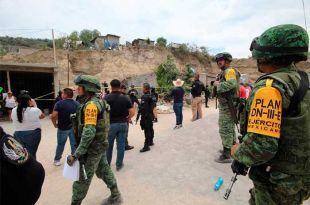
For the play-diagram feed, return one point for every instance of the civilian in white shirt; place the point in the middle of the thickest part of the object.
(26, 119)
(9, 103)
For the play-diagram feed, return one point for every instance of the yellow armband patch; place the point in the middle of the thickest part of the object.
(90, 114)
(231, 74)
(266, 112)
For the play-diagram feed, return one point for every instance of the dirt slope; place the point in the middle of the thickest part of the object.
(127, 62)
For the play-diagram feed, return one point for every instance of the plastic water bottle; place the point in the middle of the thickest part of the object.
(218, 183)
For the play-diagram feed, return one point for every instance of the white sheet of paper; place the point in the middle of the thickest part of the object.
(72, 173)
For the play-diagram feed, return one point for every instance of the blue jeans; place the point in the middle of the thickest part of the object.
(178, 109)
(30, 139)
(117, 131)
(62, 136)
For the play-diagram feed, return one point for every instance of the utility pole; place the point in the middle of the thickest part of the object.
(68, 69)
(8, 80)
(68, 42)
(54, 47)
(305, 18)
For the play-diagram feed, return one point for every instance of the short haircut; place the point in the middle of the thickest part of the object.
(115, 83)
(68, 92)
(147, 86)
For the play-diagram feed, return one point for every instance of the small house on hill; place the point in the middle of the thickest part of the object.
(107, 42)
(142, 42)
(174, 45)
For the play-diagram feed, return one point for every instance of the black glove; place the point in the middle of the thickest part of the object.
(239, 168)
(70, 160)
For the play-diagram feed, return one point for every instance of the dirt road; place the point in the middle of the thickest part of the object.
(180, 168)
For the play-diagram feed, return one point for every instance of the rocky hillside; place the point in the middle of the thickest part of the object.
(109, 64)
(126, 63)
(248, 66)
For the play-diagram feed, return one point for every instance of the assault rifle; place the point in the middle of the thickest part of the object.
(77, 136)
(234, 178)
(215, 90)
(215, 95)
(228, 191)
(232, 108)
(243, 170)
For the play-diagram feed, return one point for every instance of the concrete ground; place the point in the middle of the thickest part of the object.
(180, 168)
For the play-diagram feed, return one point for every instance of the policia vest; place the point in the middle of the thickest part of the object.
(293, 156)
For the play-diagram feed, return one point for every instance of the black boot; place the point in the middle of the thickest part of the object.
(114, 198)
(224, 157)
(145, 149)
(128, 147)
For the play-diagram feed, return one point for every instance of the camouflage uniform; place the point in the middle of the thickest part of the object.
(277, 143)
(92, 127)
(229, 83)
(226, 122)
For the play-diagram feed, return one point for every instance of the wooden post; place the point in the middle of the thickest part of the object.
(8, 80)
(54, 47)
(68, 70)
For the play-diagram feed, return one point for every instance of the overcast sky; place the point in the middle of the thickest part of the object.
(220, 25)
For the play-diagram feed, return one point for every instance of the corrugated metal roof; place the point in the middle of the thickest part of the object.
(33, 65)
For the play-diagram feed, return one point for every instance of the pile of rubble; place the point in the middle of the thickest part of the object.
(164, 109)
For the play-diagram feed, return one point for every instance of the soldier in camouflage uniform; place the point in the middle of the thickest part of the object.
(277, 142)
(227, 85)
(91, 126)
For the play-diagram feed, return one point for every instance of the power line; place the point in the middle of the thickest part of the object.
(19, 34)
(22, 29)
(303, 5)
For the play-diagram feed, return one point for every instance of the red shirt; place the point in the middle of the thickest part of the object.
(242, 92)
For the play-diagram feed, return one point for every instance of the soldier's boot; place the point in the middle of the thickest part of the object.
(221, 150)
(224, 157)
(145, 149)
(115, 197)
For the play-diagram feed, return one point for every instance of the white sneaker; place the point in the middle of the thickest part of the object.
(57, 163)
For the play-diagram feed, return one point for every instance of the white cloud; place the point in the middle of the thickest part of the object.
(228, 25)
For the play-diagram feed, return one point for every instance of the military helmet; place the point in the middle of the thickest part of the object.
(224, 55)
(90, 83)
(286, 40)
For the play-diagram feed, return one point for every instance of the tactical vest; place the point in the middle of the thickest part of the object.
(103, 120)
(293, 156)
(147, 110)
(234, 92)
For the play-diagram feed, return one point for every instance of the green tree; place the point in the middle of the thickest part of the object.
(161, 41)
(74, 36)
(2, 51)
(86, 36)
(204, 50)
(188, 75)
(59, 42)
(166, 73)
(96, 33)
